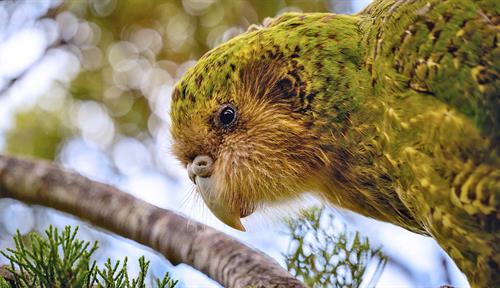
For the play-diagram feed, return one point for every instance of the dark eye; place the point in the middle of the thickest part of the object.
(227, 115)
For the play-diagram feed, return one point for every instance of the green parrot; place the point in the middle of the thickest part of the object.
(393, 113)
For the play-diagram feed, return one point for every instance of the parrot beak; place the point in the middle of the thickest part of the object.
(224, 213)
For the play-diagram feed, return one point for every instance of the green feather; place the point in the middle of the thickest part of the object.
(404, 98)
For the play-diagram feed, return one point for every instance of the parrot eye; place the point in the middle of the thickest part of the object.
(227, 115)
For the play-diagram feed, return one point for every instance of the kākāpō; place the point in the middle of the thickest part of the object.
(393, 113)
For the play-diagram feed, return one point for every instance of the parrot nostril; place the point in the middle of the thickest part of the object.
(201, 166)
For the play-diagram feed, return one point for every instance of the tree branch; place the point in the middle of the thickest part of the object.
(179, 239)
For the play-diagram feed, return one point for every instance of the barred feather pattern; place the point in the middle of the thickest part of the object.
(393, 113)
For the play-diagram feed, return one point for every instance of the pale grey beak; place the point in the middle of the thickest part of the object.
(221, 210)
(200, 172)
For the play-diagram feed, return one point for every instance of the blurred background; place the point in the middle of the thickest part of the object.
(87, 84)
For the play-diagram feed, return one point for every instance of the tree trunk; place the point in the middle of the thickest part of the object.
(179, 239)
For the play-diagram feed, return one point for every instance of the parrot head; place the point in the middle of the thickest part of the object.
(243, 122)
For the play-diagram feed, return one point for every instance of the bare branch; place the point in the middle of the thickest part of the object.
(179, 239)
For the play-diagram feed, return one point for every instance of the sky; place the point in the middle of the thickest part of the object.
(26, 55)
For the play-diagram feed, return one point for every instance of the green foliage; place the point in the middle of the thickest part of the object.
(3, 283)
(61, 260)
(322, 257)
(37, 133)
(185, 34)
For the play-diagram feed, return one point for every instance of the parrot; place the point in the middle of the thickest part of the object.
(392, 113)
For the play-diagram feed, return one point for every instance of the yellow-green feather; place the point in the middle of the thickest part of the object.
(405, 94)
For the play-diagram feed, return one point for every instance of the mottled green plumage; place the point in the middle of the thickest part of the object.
(399, 107)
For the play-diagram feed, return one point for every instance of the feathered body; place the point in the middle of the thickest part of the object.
(393, 113)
